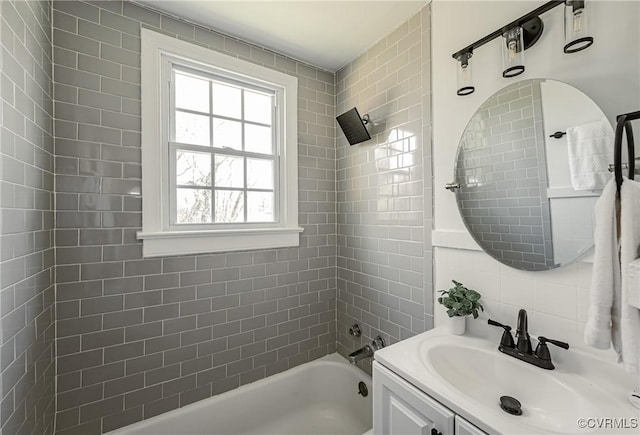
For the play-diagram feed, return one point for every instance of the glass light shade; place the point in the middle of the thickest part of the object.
(577, 20)
(465, 76)
(512, 52)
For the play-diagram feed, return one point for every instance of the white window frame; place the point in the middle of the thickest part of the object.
(159, 237)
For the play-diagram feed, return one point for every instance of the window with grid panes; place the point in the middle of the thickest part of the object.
(222, 150)
(219, 151)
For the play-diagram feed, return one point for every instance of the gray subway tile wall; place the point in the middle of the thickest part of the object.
(384, 191)
(138, 337)
(27, 316)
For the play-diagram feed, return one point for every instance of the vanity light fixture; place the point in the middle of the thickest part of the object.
(576, 26)
(465, 77)
(512, 52)
(523, 33)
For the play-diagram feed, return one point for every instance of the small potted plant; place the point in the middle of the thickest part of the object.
(460, 302)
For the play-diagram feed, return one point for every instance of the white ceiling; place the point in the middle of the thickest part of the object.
(324, 33)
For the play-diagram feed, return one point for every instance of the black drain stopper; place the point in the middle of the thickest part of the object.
(510, 405)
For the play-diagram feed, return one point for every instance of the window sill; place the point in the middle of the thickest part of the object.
(168, 243)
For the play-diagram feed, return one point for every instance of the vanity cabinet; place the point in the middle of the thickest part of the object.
(399, 408)
(463, 427)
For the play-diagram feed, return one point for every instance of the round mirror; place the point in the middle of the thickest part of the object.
(515, 192)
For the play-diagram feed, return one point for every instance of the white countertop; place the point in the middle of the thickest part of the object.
(576, 371)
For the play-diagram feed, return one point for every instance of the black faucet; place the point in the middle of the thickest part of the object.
(522, 349)
(522, 333)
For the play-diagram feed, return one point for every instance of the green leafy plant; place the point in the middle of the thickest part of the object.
(460, 301)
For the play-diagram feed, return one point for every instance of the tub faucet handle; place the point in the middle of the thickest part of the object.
(355, 330)
(377, 343)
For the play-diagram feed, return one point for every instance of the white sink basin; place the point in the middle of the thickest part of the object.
(469, 375)
(483, 376)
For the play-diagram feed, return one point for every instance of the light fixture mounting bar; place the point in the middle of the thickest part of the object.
(518, 22)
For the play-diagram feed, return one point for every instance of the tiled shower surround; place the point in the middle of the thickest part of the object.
(384, 191)
(27, 317)
(138, 337)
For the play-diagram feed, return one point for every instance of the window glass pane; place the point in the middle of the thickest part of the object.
(227, 101)
(229, 206)
(257, 139)
(257, 107)
(259, 207)
(192, 129)
(192, 93)
(259, 174)
(193, 169)
(193, 206)
(229, 171)
(235, 178)
(227, 134)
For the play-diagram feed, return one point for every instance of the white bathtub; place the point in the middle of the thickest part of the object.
(320, 397)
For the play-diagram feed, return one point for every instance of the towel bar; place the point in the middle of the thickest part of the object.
(624, 166)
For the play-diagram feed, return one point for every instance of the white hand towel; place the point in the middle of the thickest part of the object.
(633, 293)
(590, 148)
(629, 243)
(602, 326)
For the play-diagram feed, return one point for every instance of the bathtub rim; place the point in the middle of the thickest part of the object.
(332, 359)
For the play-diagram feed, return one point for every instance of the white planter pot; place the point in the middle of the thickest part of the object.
(456, 325)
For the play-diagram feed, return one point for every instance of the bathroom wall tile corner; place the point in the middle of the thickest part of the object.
(384, 191)
(27, 315)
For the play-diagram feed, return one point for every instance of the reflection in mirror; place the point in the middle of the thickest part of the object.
(515, 195)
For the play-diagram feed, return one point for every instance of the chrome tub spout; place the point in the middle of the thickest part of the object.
(366, 351)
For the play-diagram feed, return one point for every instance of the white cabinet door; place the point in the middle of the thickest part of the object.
(463, 427)
(399, 408)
